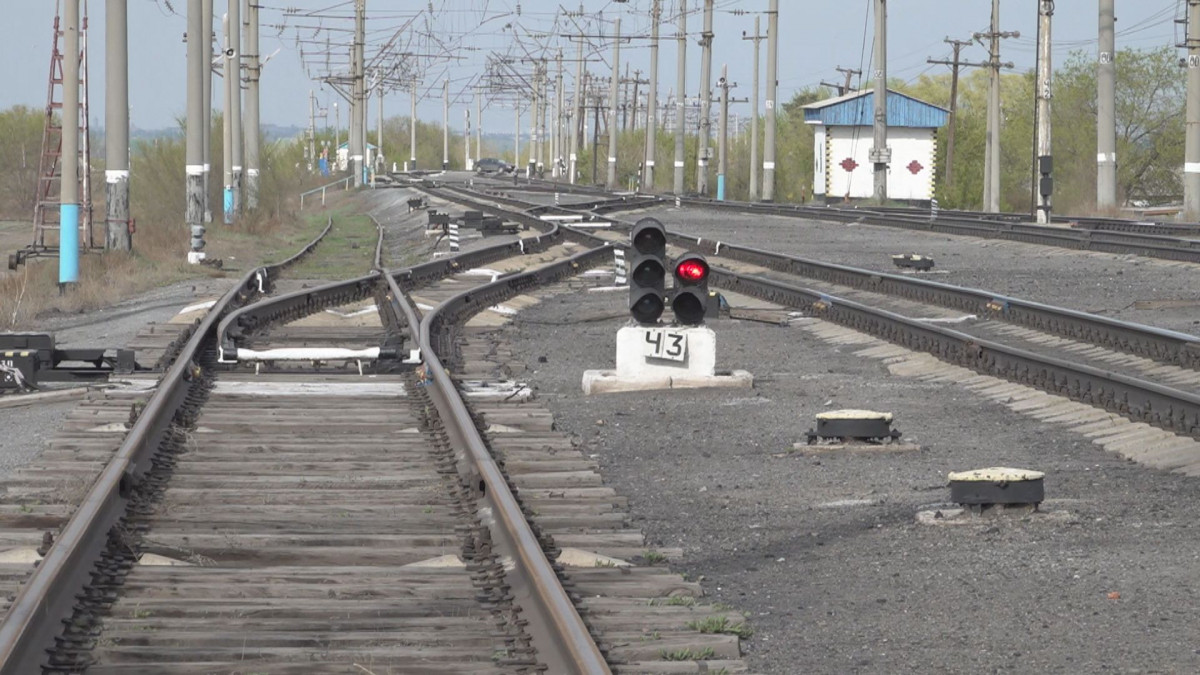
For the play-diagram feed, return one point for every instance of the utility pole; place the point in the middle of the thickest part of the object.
(116, 124)
(772, 90)
(380, 162)
(412, 128)
(194, 143)
(705, 99)
(991, 162)
(681, 99)
(227, 125)
(956, 64)
(445, 124)
(516, 135)
(1043, 183)
(652, 100)
(577, 120)
(312, 130)
(1191, 150)
(843, 88)
(631, 107)
(624, 99)
(358, 135)
(546, 142)
(1106, 118)
(206, 13)
(723, 140)
(754, 169)
(558, 119)
(478, 125)
(583, 122)
(849, 74)
(467, 166)
(533, 124)
(881, 154)
(233, 77)
(253, 73)
(611, 181)
(68, 218)
(595, 138)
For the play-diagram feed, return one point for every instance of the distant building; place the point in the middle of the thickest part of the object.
(343, 156)
(842, 167)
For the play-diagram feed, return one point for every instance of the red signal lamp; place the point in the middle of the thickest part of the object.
(690, 302)
(692, 270)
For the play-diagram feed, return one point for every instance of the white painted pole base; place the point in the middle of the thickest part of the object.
(664, 358)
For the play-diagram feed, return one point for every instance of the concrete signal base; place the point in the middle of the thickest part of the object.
(650, 359)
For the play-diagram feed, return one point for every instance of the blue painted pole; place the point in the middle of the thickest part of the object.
(68, 244)
(229, 206)
(720, 187)
(68, 214)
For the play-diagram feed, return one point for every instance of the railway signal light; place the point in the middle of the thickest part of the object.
(647, 270)
(690, 303)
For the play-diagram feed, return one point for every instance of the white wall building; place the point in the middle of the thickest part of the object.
(844, 136)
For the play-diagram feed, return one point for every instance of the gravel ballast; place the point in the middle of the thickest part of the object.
(824, 552)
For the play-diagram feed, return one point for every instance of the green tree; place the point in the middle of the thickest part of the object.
(1150, 99)
(20, 154)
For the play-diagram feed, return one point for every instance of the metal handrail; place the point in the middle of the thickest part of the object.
(344, 182)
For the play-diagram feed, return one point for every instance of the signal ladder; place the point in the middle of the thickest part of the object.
(51, 171)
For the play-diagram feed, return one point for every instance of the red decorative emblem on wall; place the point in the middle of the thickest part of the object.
(915, 167)
(849, 164)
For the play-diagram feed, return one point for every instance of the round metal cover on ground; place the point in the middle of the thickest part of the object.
(997, 485)
(852, 414)
(857, 425)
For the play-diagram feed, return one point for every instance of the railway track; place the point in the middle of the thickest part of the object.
(1163, 241)
(309, 513)
(1147, 375)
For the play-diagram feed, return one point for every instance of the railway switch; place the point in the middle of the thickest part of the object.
(647, 271)
(28, 360)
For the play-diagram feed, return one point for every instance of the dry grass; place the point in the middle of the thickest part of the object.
(159, 259)
(270, 233)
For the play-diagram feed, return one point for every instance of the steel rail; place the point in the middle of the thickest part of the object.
(36, 616)
(242, 322)
(563, 641)
(1163, 242)
(1158, 344)
(1137, 399)
(1161, 345)
(1148, 245)
(558, 633)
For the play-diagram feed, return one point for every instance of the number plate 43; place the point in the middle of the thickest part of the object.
(665, 344)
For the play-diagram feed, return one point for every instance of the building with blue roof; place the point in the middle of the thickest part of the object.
(842, 168)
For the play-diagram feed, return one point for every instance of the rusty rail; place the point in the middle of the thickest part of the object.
(48, 597)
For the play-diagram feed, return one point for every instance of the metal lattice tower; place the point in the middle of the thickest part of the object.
(50, 172)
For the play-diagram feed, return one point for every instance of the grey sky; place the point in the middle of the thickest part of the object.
(817, 36)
